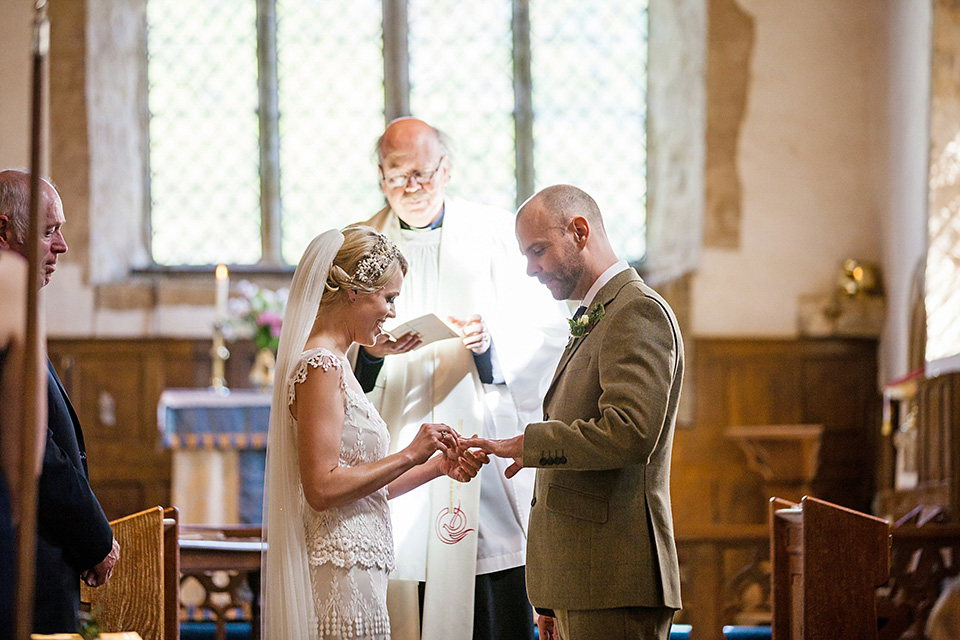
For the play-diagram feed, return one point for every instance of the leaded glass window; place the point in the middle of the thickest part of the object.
(589, 100)
(205, 193)
(531, 93)
(330, 70)
(461, 80)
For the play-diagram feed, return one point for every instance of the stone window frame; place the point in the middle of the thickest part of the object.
(99, 124)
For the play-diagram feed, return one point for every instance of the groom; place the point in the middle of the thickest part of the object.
(601, 558)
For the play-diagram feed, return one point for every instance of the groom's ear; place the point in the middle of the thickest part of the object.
(581, 230)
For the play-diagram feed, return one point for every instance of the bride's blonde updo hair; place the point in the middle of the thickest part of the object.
(365, 262)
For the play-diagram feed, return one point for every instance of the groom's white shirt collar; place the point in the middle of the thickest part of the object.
(605, 277)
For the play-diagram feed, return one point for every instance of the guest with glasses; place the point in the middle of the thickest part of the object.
(460, 549)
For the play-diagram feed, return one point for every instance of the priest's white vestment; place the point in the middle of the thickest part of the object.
(446, 532)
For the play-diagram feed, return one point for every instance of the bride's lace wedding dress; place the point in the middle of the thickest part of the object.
(349, 548)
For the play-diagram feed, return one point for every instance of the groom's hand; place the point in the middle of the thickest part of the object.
(507, 448)
(547, 627)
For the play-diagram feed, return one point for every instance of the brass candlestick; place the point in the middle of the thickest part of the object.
(219, 354)
(219, 351)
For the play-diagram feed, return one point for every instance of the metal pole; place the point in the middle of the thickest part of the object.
(269, 112)
(34, 384)
(396, 76)
(523, 99)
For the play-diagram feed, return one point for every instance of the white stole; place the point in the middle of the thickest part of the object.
(444, 525)
(454, 507)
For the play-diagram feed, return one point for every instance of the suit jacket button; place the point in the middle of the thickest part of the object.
(544, 462)
(533, 502)
(563, 459)
(545, 417)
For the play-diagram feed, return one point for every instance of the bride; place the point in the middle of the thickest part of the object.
(328, 479)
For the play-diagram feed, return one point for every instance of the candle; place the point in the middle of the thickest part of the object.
(223, 289)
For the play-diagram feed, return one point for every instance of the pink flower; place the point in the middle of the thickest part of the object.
(268, 317)
(257, 313)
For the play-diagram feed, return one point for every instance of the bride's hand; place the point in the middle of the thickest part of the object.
(432, 437)
(387, 346)
(465, 466)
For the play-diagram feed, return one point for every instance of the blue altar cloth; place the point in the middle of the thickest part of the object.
(206, 419)
(741, 632)
(237, 420)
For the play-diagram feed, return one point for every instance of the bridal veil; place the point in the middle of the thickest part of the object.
(287, 600)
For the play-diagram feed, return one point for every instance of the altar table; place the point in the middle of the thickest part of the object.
(219, 452)
(234, 550)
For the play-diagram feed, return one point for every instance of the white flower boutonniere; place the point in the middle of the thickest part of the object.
(581, 326)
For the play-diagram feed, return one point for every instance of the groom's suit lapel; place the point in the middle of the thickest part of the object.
(606, 294)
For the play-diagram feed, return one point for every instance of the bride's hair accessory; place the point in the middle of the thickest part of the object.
(372, 265)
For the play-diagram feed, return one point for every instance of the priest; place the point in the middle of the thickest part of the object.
(460, 548)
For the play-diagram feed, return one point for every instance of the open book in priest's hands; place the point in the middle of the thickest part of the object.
(430, 327)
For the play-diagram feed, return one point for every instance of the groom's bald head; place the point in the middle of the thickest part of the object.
(560, 232)
(561, 203)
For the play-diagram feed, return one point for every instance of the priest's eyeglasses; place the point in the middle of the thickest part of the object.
(422, 178)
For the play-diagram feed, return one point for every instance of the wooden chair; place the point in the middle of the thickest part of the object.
(143, 593)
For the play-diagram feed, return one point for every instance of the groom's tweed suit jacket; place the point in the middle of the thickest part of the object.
(601, 529)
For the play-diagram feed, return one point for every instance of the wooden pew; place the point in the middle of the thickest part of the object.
(926, 553)
(827, 562)
(143, 595)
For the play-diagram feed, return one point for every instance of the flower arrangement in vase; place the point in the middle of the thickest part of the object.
(257, 313)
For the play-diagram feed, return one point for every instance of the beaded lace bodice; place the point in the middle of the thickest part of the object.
(358, 533)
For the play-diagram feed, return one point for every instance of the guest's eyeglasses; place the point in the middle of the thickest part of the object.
(422, 178)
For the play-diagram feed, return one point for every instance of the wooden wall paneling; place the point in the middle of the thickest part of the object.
(925, 444)
(702, 588)
(106, 393)
(841, 393)
(771, 381)
(950, 427)
(725, 578)
(937, 451)
(931, 436)
(720, 492)
(939, 447)
(114, 385)
(762, 389)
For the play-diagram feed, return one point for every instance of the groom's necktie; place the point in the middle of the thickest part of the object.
(580, 311)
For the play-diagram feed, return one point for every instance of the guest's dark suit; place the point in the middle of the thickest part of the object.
(73, 533)
(601, 528)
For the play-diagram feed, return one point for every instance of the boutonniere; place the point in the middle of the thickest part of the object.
(581, 326)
